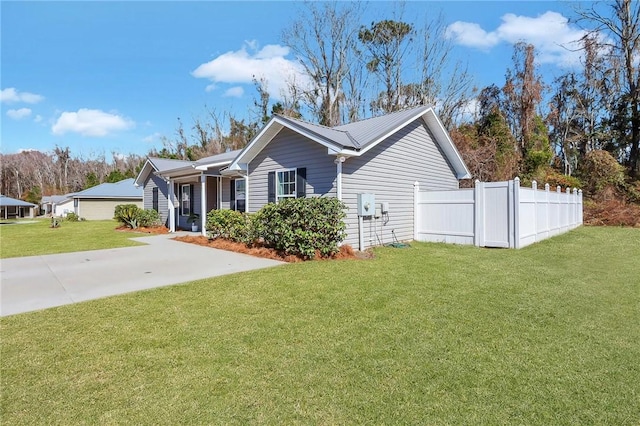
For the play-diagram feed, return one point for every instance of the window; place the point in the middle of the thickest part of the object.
(290, 183)
(185, 200)
(155, 199)
(286, 184)
(238, 195)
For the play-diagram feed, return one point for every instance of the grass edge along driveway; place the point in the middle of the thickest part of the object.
(36, 238)
(433, 334)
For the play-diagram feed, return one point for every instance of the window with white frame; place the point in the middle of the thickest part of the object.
(240, 195)
(185, 200)
(285, 184)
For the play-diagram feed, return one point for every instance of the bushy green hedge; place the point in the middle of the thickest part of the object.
(298, 227)
(133, 216)
(148, 218)
(230, 225)
(72, 217)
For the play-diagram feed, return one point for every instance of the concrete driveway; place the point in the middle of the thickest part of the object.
(40, 282)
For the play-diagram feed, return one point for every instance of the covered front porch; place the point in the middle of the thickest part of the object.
(193, 195)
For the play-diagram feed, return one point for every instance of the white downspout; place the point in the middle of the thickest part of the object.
(203, 204)
(171, 207)
(339, 161)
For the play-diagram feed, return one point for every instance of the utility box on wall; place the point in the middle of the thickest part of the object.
(366, 204)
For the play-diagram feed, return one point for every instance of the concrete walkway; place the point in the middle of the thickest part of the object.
(40, 282)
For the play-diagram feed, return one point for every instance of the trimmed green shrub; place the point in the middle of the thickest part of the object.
(133, 216)
(148, 218)
(72, 217)
(127, 214)
(229, 224)
(302, 226)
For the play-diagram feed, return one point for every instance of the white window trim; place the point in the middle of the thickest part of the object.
(236, 191)
(295, 184)
(182, 213)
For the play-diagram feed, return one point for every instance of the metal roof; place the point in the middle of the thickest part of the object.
(223, 158)
(370, 130)
(356, 138)
(162, 164)
(123, 189)
(12, 202)
(55, 199)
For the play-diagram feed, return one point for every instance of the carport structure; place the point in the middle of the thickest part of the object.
(12, 208)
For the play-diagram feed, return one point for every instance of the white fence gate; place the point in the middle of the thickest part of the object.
(495, 214)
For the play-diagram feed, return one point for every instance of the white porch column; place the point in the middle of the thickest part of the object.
(203, 204)
(246, 191)
(171, 207)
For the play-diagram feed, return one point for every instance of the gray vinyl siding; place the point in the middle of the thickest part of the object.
(290, 150)
(226, 194)
(163, 195)
(388, 171)
(195, 195)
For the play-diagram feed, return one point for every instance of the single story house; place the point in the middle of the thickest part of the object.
(12, 208)
(57, 205)
(99, 202)
(380, 157)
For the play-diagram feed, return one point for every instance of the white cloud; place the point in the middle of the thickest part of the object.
(554, 39)
(19, 114)
(90, 122)
(152, 138)
(471, 35)
(234, 92)
(37, 118)
(242, 66)
(11, 95)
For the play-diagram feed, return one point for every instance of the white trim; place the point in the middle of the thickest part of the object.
(295, 183)
(339, 161)
(180, 201)
(246, 191)
(203, 204)
(208, 165)
(260, 142)
(219, 192)
(171, 206)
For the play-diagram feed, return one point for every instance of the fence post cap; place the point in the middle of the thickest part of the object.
(558, 188)
(416, 184)
(534, 184)
(546, 186)
(517, 179)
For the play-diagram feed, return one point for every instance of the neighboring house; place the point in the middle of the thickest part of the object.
(382, 156)
(12, 208)
(99, 202)
(57, 205)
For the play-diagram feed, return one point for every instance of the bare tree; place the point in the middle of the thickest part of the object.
(322, 38)
(619, 39)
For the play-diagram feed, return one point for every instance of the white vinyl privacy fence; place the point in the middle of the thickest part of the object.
(495, 214)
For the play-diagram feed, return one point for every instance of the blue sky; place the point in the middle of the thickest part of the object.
(103, 77)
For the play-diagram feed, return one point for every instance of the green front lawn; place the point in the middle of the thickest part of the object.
(38, 238)
(433, 334)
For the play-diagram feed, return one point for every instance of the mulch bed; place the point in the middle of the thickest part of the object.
(346, 252)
